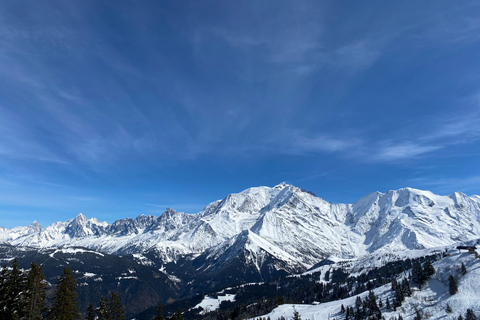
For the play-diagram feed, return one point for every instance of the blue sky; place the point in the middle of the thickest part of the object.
(121, 108)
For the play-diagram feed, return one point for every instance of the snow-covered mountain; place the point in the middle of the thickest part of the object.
(284, 226)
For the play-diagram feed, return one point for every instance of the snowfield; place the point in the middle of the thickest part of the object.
(431, 300)
(210, 304)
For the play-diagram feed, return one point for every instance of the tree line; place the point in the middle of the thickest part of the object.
(23, 296)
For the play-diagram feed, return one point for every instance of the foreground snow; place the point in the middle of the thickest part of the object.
(431, 301)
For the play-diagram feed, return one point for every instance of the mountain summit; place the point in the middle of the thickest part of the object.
(286, 227)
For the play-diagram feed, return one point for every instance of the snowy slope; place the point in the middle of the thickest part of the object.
(286, 223)
(431, 300)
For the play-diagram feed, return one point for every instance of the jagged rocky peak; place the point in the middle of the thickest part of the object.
(281, 186)
(80, 227)
(77, 227)
(143, 221)
(80, 218)
(123, 227)
(35, 227)
(171, 219)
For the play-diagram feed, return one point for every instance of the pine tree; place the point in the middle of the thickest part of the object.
(470, 315)
(179, 315)
(452, 285)
(115, 308)
(399, 297)
(90, 311)
(159, 315)
(3, 292)
(418, 315)
(394, 284)
(448, 309)
(13, 299)
(418, 276)
(34, 302)
(65, 298)
(388, 304)
(111, 308)
(460, 317)
(102, 312)
(342, 309)
(428, 270)
(463, 269)
(407, 292)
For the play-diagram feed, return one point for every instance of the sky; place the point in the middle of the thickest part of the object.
(119, 108)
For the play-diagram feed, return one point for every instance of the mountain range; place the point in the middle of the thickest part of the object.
(257, 234)
(286, 223)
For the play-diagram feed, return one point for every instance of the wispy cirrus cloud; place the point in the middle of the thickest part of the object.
(403, 151)
(324, 144)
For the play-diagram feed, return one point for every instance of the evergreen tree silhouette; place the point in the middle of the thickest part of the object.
(90, 312)
(159, 315)
(452, 285)
(65, 298)
(34, 301)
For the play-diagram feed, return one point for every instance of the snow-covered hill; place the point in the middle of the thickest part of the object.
(432, 301)
(285, 226)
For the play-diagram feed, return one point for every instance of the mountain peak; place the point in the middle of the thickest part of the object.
(80, 217)
(35, 226)
(281, 186)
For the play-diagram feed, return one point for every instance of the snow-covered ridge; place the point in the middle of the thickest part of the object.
(286, 223)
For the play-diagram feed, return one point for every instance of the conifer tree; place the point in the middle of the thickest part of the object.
(399, 297)
(418, 276)
(448, 309)
(90, 311)
(296, 315)
(179, 315)
(102, 311)
(470, 315)
(159, 315)
(388, 304)
(65, 298)
(407, 292)
(418, 315)
(452, 285)
(111, 308)
(428, 270)
(3, 291)
(394, 284)
(12, 300)
(463, 269)
(34, 301)
(115, 308)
